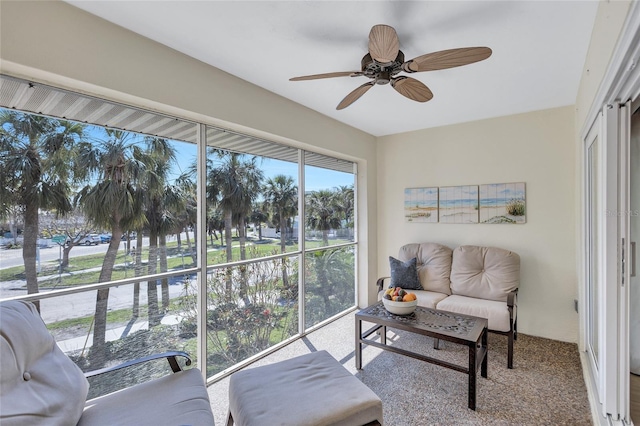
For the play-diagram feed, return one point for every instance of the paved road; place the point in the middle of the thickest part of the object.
(10, 258)
(84, 304)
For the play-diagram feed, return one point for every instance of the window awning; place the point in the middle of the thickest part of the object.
(42, 99)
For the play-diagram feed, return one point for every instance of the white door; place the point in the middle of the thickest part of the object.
(593, 210)
(603, 250)
(634, 218)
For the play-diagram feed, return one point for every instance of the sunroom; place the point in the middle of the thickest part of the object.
(304, 275)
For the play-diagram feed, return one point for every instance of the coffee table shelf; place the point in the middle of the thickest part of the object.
(456, 328)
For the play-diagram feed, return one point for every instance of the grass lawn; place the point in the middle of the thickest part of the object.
(177, 259)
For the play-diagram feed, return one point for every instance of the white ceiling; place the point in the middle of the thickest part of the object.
(539, 49)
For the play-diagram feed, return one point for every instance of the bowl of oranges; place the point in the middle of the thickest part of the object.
(399, 301)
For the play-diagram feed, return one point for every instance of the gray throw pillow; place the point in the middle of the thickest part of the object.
(404, 274)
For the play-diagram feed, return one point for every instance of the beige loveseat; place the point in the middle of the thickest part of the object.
(472, 280)
(40, 385)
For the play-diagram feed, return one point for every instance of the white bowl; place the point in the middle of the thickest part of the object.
(400, 308)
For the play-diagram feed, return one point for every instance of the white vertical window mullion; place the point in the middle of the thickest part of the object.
(202, 249)
(611, 261)
(355, 233)
(301, 243)
(626, 264)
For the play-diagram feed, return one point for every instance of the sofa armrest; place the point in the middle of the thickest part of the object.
(170, 356)
(380, 283)
(511, 298)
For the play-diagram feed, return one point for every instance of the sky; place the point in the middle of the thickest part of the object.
(316, 178)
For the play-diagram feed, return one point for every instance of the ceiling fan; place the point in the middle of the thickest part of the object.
(385, 61)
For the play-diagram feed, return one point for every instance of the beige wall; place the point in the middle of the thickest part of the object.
(55, 43)
(536, 148)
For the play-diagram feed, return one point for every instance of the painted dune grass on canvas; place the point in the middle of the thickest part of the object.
(458, 204)
(503, 203)
(421, 205)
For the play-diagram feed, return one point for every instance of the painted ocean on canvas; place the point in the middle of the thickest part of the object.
(503, 203)
(421, 205)
(458, 204)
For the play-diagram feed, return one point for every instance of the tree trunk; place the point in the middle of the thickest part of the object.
(152, 286)
(98, 354)
(163, 268)
(66, 250)
(325, 237)
(228, 222)
(283, 249)
(30, 241)
(228, 218)
(136, 253)
(242, 229)
(195, 244)
(193, 258)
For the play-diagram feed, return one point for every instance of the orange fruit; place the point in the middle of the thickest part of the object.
(409, 297)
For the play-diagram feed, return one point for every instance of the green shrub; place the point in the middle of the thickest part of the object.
(515, 207)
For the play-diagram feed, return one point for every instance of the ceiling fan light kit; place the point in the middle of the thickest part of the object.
(385, 61)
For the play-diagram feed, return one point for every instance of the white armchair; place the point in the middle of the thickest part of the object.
(39, 384)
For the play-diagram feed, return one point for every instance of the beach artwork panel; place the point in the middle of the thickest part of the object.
(503, 203)
(421, 205)
(458, 204)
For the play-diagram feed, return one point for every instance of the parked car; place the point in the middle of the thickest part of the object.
(105, 238)
(92, 239)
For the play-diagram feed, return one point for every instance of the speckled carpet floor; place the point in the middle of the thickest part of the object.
(546, 386)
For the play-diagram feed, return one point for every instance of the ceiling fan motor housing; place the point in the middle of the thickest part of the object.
(381, 73)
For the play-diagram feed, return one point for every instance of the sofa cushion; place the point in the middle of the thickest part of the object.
(484, 272)
(404, 274)
(496, 312)
(426, 299)
(39, 384)
(433, 265)
(176, 399)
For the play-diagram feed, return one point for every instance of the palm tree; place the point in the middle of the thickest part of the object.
(187, 217)
(258, 216)
(158, 199)
(346, 203)
(323, 212)
(37, 168)
(233, 186)
(281, 199)
(113, 203)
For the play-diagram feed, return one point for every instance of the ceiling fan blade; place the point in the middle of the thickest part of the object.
(383, 43)
(355, 95)
(412, 89)
(327, 75)
(447, 59)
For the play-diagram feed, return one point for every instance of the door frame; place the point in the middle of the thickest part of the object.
(609, 389)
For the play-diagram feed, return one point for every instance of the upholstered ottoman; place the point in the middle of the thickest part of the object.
(312, 389)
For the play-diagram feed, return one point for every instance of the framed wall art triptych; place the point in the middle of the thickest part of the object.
(494, 203)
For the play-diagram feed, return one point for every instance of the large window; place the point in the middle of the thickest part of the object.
(111, 207)
(328, 222)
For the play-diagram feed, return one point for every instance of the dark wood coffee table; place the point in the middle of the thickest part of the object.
(449, 326)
